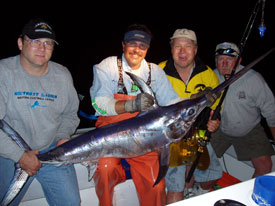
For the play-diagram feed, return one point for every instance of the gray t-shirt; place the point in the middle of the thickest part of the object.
(41, 109)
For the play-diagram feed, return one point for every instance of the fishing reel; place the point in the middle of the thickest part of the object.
(185, 151)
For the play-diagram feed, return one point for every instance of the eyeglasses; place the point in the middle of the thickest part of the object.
(142, 46)
(36, 44)
(226, 52)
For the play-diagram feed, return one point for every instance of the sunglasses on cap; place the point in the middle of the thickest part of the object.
(230, 52)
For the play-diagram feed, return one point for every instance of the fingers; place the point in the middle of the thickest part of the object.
(31, 172)
(146, 102)
(29, 162)
(211, 114)
(213, 125)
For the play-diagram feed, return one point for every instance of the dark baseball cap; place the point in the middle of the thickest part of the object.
(38, 29)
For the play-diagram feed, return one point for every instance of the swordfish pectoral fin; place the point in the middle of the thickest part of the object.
(19, 179)
(91, 167)
(163, 163)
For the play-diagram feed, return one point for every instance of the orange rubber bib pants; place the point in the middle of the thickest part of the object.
(144, 170)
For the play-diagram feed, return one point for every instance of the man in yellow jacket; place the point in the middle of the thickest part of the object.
(188, 76)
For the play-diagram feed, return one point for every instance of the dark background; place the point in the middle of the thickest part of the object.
(89, 32)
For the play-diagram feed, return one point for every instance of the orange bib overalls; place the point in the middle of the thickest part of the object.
(144, 170)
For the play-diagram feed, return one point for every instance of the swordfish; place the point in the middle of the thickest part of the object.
(153, 130)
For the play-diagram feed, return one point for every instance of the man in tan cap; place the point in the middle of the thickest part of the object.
(189, 75)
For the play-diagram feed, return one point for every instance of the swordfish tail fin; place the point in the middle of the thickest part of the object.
(19, 179)
(20, 176)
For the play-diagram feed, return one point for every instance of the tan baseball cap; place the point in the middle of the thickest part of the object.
(184, 33)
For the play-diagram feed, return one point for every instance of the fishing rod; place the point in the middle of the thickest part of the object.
(247, 31)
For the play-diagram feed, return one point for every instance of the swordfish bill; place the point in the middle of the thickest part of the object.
(153, 130)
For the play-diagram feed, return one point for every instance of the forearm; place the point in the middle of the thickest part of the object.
(142, 102)
(105, 106)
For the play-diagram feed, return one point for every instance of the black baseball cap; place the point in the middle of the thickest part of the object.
(37, 29)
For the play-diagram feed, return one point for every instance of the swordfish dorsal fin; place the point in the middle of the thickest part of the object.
(144, 88)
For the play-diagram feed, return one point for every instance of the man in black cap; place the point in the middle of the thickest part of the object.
(38, 100)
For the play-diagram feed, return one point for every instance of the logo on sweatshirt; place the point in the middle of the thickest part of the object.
(37, 104)
(242, 95)
(35, 99)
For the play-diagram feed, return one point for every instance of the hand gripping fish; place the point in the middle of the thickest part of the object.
(153, 130)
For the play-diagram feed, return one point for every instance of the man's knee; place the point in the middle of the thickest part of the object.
(174, 197)
(262, 165)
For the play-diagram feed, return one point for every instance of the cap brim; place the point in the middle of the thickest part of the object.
(41, 36)
(137, 39)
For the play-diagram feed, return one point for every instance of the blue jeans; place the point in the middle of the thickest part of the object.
(59, 183)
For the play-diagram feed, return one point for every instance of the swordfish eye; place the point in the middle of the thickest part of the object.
(191, 111)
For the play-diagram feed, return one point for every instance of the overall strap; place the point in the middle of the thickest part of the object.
(149, 76)
(121, 86)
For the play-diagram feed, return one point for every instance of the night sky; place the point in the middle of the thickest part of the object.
(88, 32)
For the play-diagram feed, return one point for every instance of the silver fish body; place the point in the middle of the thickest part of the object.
(145, 133)
(149, 131)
